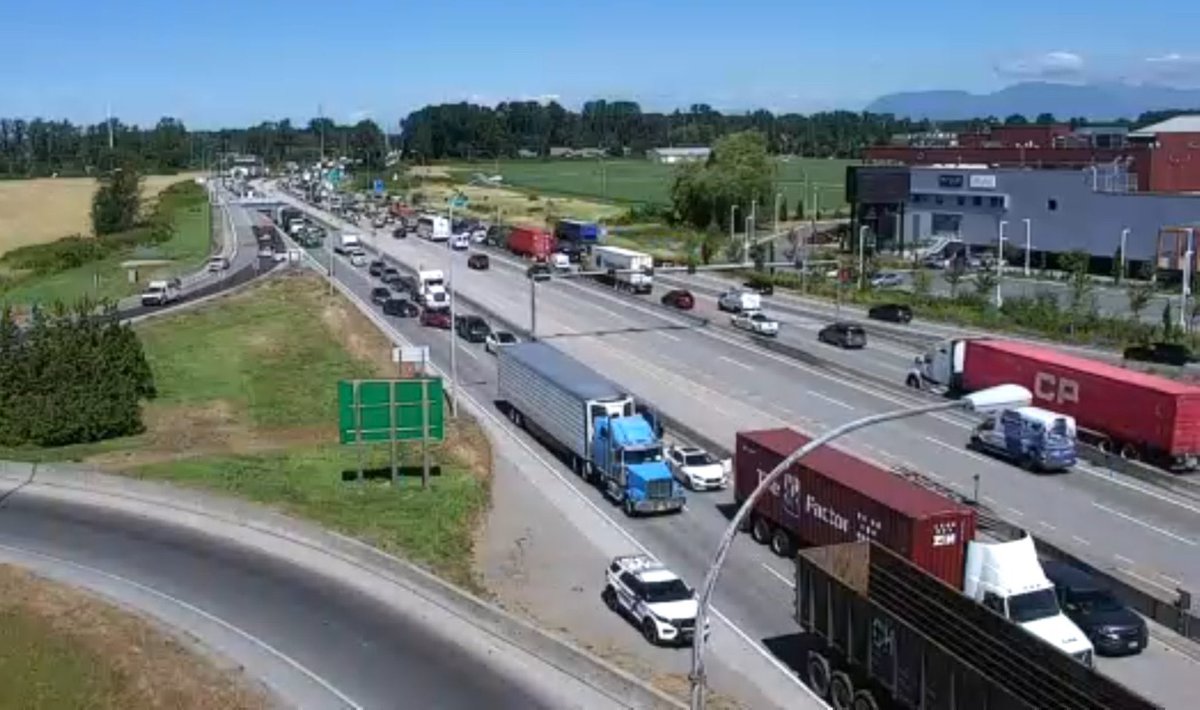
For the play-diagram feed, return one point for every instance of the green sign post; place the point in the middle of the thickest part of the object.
(392, 411)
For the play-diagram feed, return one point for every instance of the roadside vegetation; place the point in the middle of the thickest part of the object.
(62, 648)
(246, 405)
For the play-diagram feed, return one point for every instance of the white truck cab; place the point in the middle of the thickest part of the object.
(347, 243)
(1007, 578)
(160, 293)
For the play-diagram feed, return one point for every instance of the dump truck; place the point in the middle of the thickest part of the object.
(888, 632)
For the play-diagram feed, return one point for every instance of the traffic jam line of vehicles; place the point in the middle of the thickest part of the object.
(600, 431)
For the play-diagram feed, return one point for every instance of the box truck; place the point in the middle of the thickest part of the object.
(831, 496)
(888, 632)
(1126, 412)
(591, 423)
(433, 228)
(624, 268)
(532, 243)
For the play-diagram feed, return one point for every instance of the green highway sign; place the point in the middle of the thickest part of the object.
(391, 410)
(458, 201)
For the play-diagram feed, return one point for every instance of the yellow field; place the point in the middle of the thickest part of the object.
(42, 210)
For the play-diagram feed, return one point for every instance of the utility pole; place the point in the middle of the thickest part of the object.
(321, 125)
(1000, 265)
(1028, 243)
(453, 322)
(862, 254)
(1189, 258)
(1124, 258)
(109, 124)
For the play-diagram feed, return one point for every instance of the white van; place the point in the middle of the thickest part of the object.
(738, 301)
(460, 242)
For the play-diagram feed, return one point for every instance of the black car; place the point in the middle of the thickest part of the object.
(390, 275)
(538, 272)
(893, 312)
(473, 329)
(478, 262)
(401, 307)
(1161, 353)
(376, 268)
(1112, 627)
(399, 232)
(843, 335)
(380, 295)
(763, 286)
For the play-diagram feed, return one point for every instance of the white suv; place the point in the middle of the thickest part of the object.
(737, 301)
(662, 605)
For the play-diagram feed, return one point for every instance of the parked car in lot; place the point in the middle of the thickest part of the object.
(1113, 628)
(843, 335)
(435, 318)
(756, 322)
(892, 312)
(380, 294)
(479, 262)
(498, 339)
(471, 328)
(538, 272)
(1161, 353)
(400, 307)
(679, 298)
(696, 468)
(376, 268)
(887, 279)
(737, 300)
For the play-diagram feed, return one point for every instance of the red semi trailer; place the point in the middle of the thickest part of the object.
(1135, 414)
(537, 244)
(831, 497)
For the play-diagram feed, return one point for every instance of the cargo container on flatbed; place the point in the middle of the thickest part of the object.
(890, 631)
(832, 496)
(536, 244)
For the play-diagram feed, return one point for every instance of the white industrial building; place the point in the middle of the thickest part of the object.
(678, 155)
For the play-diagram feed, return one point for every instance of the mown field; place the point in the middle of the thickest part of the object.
(644, 181)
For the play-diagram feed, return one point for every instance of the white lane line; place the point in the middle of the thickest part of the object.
(668, 336)
(1161, 531)
(829, 399)
(1123, 558)
(1172, 580)
(958, 450)
(775, 573)
(1046, 525)
(246, 635)
(731, 361)
(1151, 582)
(1111, 477)
(989, 500)
(1080, 540)
(1014, 511)
(469, 351)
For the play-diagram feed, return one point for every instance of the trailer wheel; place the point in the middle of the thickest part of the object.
(1104, 446)
(841, 691)
(1129, 452)
(864, 700)
(781, 543)
(818, 674)
(760, 530)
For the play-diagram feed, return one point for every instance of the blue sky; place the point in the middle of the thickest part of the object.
(215, 62)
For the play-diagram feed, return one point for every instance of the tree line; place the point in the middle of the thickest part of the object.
(70, 376)
(470, 131)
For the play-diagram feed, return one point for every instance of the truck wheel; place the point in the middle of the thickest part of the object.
(630, 510)
(650, 631)
(864, 700)
(760, 530)
(818, 674)
(609, 597)
(1129, 452)
(841, 691)
(781, 543)
(1104, 446)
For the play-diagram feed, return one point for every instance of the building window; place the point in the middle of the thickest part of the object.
(1052, 204)
(918, 199)
(961, 200)
(946, 223)
(938, 199)
(977, 200)
(996, 202)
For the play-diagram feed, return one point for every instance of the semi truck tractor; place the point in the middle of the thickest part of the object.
(1126, 412)
(888, 632)
(831, 496)
(591, 423)
(624, 268)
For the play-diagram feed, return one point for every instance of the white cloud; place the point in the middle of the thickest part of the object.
(1172, 68)
(359, 115)
(1057, 65)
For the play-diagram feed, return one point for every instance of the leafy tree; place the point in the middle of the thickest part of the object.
(800, 209)
(1045, 119)
(985, 283)
(922, 284)
(1139, 294)
(954, 275)
(117, 201)
(737, 173)
(1075, 263)
(1117, 262)
(1168, 322)
(782, 213)
(1016, 119)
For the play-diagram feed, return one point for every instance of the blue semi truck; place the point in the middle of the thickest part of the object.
(591, 423)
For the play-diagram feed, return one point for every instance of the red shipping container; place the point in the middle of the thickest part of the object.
(1159, 416)
(534, 243)
(831, 496)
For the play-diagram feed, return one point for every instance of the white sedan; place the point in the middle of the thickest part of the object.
(697, 469)
(756, 322)
(498, 339)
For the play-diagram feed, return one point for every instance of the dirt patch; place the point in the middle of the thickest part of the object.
(137, 664)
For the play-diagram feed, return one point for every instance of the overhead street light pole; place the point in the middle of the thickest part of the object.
(991, 399)
(1028, 243)
(1000, 264)
(1124, 258)
(453, 322)
(862, 254)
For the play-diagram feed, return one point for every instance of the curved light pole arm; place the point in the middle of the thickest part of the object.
(710, 580)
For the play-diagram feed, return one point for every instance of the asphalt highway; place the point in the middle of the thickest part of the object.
(717, 383)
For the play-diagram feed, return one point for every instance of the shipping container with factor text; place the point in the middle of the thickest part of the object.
(537, 244)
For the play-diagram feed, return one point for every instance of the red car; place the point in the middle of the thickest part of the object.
(435, 319)
(679, 298)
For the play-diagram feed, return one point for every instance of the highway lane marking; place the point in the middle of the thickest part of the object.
(958, 450)
(766, 655)
(1172, 580)
(730, 360)
(1147, 580)
(777, 575)
(1046, 525)
(1014, 511)
(1123, 558)
(1148, 526)
(208, 616)
(989, 500)
(468, 351)
(1112, 478)
(1080, 540)
(829, 399)
(668, 336)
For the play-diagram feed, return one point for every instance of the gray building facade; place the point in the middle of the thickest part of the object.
(1065, 209)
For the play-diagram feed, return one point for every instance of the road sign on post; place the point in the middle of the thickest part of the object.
(458, 201)
(378, 186)
(391, 411)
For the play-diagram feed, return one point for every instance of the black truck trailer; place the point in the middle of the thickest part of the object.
(891, 633)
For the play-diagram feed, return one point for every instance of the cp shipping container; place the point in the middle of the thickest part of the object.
(832, 497)
(534, 243)
(1137, 414)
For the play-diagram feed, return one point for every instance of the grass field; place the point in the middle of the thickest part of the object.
(107, 278)
(62, 649)
(247, 406)
(644, 181)
(45, 209)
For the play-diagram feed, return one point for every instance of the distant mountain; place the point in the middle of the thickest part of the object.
(1099, 102)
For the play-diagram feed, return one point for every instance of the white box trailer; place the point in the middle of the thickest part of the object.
(626, 268)
(557, 397)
